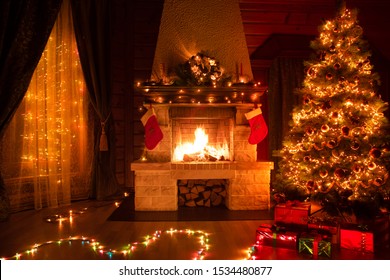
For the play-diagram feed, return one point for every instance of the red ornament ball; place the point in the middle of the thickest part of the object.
(375, 153)
(339, 173)
(378, 182)
(331, 144)
(311, 185)
(372, 165)
(309, 131)
(325, 128)
(355, 146)
(323, 173)
(329, 76)
(337, 66)
(345, 130)
(357, 168)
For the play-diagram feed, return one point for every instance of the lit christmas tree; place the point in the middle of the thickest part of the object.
(336, 152)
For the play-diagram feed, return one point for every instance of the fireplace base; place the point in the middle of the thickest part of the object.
(156, 183)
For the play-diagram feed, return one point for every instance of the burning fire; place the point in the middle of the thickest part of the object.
(199, 150)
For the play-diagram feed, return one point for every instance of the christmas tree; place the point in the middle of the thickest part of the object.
(336, 151)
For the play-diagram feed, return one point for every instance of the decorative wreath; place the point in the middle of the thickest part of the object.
(201, 70)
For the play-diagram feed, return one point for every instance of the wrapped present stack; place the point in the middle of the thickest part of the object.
(317, 234)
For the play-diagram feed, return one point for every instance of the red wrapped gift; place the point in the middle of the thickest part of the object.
(380, 226)
(272, 235)
(356, 237)
(292, 212)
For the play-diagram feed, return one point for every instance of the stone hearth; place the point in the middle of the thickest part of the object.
(156, 183)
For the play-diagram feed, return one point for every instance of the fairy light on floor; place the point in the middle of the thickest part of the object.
(251, 252)
(126, 250)
(68, 216)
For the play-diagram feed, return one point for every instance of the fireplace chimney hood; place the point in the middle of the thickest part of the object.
(214, 27)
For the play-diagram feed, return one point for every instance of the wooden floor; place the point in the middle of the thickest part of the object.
(225, 240)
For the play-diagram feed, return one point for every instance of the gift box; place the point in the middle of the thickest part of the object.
(315, 244)
(292, 212)
(380, 226)
(280, 237)
(357, 237)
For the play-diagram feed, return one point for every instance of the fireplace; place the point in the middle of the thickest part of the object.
(204, 125)
(159, 173)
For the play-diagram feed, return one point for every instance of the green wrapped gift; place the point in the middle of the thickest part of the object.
(314, 244)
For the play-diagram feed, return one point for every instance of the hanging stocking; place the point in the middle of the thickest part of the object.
(259, 129)
(153, 133)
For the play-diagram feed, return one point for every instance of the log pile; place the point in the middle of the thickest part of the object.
(202, 193)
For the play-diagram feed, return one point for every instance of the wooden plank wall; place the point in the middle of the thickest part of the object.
(135, 26)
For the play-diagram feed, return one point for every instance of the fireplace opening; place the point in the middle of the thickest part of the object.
(202, 193)
(206, 138)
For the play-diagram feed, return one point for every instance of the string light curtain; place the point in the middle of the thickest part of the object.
(46, 155)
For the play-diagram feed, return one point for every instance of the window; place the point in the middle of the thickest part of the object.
(46, 150)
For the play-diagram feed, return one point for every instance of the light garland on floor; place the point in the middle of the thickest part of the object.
(96, 246)
(59, 218)
(252, 251)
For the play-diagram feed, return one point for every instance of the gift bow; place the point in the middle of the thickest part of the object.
(363, 227)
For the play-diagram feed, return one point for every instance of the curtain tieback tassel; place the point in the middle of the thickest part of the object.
(103, 144)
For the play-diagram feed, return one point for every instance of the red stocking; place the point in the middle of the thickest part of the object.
(259, 129)
(153, 133)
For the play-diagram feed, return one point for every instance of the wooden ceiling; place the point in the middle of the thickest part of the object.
(272, 24)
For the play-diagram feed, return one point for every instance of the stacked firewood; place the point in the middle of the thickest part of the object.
(202, 193)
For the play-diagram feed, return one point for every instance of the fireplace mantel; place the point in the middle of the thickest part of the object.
(228, 96)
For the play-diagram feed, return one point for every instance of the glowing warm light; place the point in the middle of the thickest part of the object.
(200, 148)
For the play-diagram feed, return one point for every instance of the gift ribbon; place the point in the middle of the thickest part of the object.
(315, 245)
(274, 237)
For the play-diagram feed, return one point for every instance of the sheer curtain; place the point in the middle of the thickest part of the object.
(46, 150)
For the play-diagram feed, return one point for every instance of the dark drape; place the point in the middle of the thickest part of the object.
(91, 20)
(25, 26)
(286, 75)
